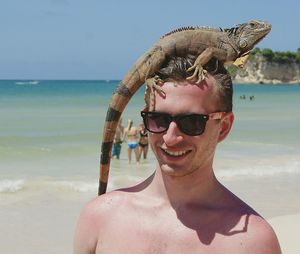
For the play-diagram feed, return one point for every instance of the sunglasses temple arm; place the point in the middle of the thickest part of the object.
(217, 115)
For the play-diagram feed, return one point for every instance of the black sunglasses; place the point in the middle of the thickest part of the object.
(190, 124)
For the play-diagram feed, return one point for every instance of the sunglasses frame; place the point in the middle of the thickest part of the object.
(176, 118)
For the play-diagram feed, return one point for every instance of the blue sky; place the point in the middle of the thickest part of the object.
(95, 39)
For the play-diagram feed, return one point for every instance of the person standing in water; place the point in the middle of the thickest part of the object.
(117, 145)
(143, 142)
(131, 134)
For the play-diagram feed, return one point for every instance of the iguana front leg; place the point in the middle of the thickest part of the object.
(152, 85)
(202, 59)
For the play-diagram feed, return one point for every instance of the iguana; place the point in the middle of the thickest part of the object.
(226, 45)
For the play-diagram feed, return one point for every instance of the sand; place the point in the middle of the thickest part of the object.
(287, 231)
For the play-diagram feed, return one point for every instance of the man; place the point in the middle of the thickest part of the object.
(182, 207)
(118, 140)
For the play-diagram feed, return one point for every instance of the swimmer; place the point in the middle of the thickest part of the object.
(131, 134)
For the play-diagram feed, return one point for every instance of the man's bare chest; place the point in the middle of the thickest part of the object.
(160, 236)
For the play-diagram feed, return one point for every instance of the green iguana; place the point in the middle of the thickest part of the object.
(226, 45)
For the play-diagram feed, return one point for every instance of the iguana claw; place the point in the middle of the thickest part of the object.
(199, 73)
(152, 85)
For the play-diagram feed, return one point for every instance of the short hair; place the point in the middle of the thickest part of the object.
(175, 69)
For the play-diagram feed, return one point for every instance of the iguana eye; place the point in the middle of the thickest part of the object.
(252, 23)
(243, 44)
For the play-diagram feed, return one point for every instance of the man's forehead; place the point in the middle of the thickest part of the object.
(189, 87)
(186, 96)
(173, 90)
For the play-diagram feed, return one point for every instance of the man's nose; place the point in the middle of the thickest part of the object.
(173, 135)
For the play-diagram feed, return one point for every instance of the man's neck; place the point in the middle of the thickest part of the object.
(199, 187)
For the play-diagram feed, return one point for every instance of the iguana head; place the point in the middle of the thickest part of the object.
(246, 36)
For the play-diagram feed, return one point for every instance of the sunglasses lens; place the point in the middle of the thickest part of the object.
(156, 122)
(192, 124)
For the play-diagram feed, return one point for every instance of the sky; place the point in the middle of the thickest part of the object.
(101, 39)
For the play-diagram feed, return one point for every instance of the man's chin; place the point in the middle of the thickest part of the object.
(173, 170)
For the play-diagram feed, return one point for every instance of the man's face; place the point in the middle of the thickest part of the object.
(179, 154)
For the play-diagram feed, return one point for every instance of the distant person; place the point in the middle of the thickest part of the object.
(118, 140)
(143, 141)
(132, 137)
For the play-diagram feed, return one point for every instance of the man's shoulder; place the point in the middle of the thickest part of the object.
(251, 234)
(262, 236)
(255, 234)
(251, 230)
(93, 218)
(107, 203)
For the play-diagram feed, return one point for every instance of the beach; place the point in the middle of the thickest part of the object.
(50, 137)
(44, 222)
(286, 228)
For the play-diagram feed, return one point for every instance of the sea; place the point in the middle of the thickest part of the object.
(50, 138)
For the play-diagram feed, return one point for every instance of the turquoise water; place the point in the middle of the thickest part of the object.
(52, 130)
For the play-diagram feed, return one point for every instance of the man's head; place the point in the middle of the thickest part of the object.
(181, 147)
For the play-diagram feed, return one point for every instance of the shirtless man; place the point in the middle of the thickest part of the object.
(131, 134)
(181, 207)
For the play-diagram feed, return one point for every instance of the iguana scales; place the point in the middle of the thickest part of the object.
(226, 45)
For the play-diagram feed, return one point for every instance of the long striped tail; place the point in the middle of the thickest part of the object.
(120, 99)
(144, 67)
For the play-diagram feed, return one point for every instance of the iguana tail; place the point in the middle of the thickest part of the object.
(133, 80)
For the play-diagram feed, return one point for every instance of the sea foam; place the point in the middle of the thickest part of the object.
(261, 170)
(11, 186)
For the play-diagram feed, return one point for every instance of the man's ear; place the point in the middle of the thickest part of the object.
(145, 108)
(226, 124)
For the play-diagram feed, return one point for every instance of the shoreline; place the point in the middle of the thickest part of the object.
(264, 82)
(240, 81)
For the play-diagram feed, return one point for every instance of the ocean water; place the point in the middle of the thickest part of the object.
(50, 135)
